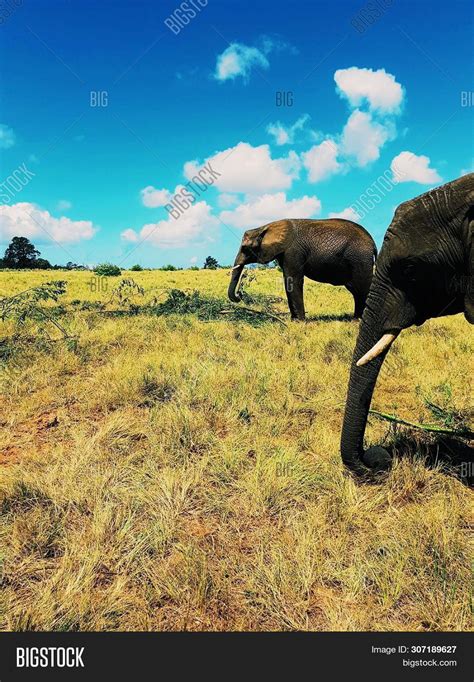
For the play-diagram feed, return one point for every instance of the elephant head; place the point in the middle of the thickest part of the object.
(425, 269)
(261, 245)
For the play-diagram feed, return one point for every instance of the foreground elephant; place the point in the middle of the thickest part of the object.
(425, 269)
(334, 251)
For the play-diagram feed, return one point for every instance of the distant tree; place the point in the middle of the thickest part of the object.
(211, 263)
(168, 268)
(42, 264)
(136, 268)
(20, 253)
(71, 266)
(194, 267)
(107, 270)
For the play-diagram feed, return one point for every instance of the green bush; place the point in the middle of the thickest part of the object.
(210, 263)
(168, 268)
(107, 270)
(136, 268)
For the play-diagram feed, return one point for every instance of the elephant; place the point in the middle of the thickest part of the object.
(334, 251)
(425, 269)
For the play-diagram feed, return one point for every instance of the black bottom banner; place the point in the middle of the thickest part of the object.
(317, 656)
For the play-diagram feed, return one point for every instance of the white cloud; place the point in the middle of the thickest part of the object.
(7, 137)
(129, 235)
(248, 169)
(321, 161)
(365, 132)
(284, 135)
(227, 200)
(347, 214)
(63, 205)
(408, 167)
(279, 132)
(28, 220)
(195, 225)
(269, 207)
(362, 137)
(378, 88)
(152, 198)
(238, 60)
(275, 45)
(193, 260)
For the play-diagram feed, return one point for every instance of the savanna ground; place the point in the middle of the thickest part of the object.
(181, 470)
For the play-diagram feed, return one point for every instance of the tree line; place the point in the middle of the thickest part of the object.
(22, 254)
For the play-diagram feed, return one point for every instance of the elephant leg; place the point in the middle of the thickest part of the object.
(359, 288)
(359, 303)
(294, 293)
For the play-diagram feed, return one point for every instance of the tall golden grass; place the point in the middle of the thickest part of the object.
(172, 473)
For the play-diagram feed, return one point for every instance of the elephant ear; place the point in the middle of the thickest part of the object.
(469, 288)
(274, 239)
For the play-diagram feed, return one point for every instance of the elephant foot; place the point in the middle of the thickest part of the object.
(377, 458)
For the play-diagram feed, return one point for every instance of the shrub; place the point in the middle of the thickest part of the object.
(168, 268)
(107, 270)
(29, 305)
(211, 263)
(136, 268)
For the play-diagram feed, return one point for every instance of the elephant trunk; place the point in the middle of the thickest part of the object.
(371, 347)
(236, 276)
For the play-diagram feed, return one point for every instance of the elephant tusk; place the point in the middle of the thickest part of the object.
(383, 344)
(237, 288)
(235, 267)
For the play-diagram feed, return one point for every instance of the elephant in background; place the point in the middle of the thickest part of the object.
(425, 269)
(334, 251)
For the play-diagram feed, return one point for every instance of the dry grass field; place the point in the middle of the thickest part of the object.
(182, 472)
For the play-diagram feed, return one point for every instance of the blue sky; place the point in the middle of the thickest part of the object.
(371, 96)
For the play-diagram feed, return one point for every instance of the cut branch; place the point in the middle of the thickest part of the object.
(462, 433)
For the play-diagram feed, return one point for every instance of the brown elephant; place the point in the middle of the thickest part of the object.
(333, 251)
(425, 269)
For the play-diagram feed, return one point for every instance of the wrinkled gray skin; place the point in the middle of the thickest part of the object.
(334, 251)
(425, 269)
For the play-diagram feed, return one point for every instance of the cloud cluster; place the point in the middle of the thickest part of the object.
(252, 184)
(286, 135)
(239, 59)
(321, 160)
(375, 98)
(194, 225)
(268, 207)
(248, 169)
(362, 138)
(152, 198)
(378, 89)
(27, 220)
(408, 167)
